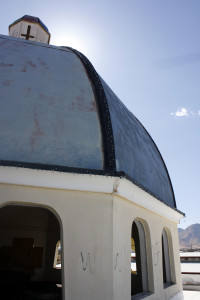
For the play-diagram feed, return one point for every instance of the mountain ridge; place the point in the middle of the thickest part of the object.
(189, 238)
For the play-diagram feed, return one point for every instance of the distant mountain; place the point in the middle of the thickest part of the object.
(190, 237)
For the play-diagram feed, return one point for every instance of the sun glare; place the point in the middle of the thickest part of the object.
(70, 41)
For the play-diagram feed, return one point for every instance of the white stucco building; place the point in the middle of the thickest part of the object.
(77, 167)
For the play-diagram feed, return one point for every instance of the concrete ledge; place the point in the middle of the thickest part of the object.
(192, 287)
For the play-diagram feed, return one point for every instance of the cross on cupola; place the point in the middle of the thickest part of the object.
(30, 28)
(27, 35)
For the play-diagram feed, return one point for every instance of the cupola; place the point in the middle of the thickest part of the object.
(30, 28)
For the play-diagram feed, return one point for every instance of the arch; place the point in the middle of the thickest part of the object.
(28, 236)
(167, 258)
(139, 268)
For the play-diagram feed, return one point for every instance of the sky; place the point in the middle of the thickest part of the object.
(148, 52)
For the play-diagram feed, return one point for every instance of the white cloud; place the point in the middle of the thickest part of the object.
(182, 112)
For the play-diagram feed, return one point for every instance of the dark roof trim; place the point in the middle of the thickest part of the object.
(36, 166)
(106, 125)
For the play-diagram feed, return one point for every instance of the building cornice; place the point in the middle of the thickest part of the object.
(117, 186)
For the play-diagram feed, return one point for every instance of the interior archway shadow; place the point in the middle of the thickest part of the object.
(28, 238)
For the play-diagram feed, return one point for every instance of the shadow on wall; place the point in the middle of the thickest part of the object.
(28, 243)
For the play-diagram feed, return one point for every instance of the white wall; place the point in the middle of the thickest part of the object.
(96, 238)
(124, 213)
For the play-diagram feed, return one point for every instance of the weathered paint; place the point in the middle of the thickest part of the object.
(47, 107)
(64, 114)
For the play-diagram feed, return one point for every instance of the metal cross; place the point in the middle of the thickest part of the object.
(27, 35)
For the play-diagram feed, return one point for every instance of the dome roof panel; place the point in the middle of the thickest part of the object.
(44, 121)
(136, 153)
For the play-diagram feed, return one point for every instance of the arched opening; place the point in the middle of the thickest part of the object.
(139, 277)
(28, 238)
(57, 257)
(166, 260)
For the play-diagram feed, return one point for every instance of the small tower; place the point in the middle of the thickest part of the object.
(30, 28)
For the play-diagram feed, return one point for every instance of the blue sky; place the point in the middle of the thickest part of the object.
(149, 54)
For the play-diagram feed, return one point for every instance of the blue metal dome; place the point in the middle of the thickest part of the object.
(57, 113)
